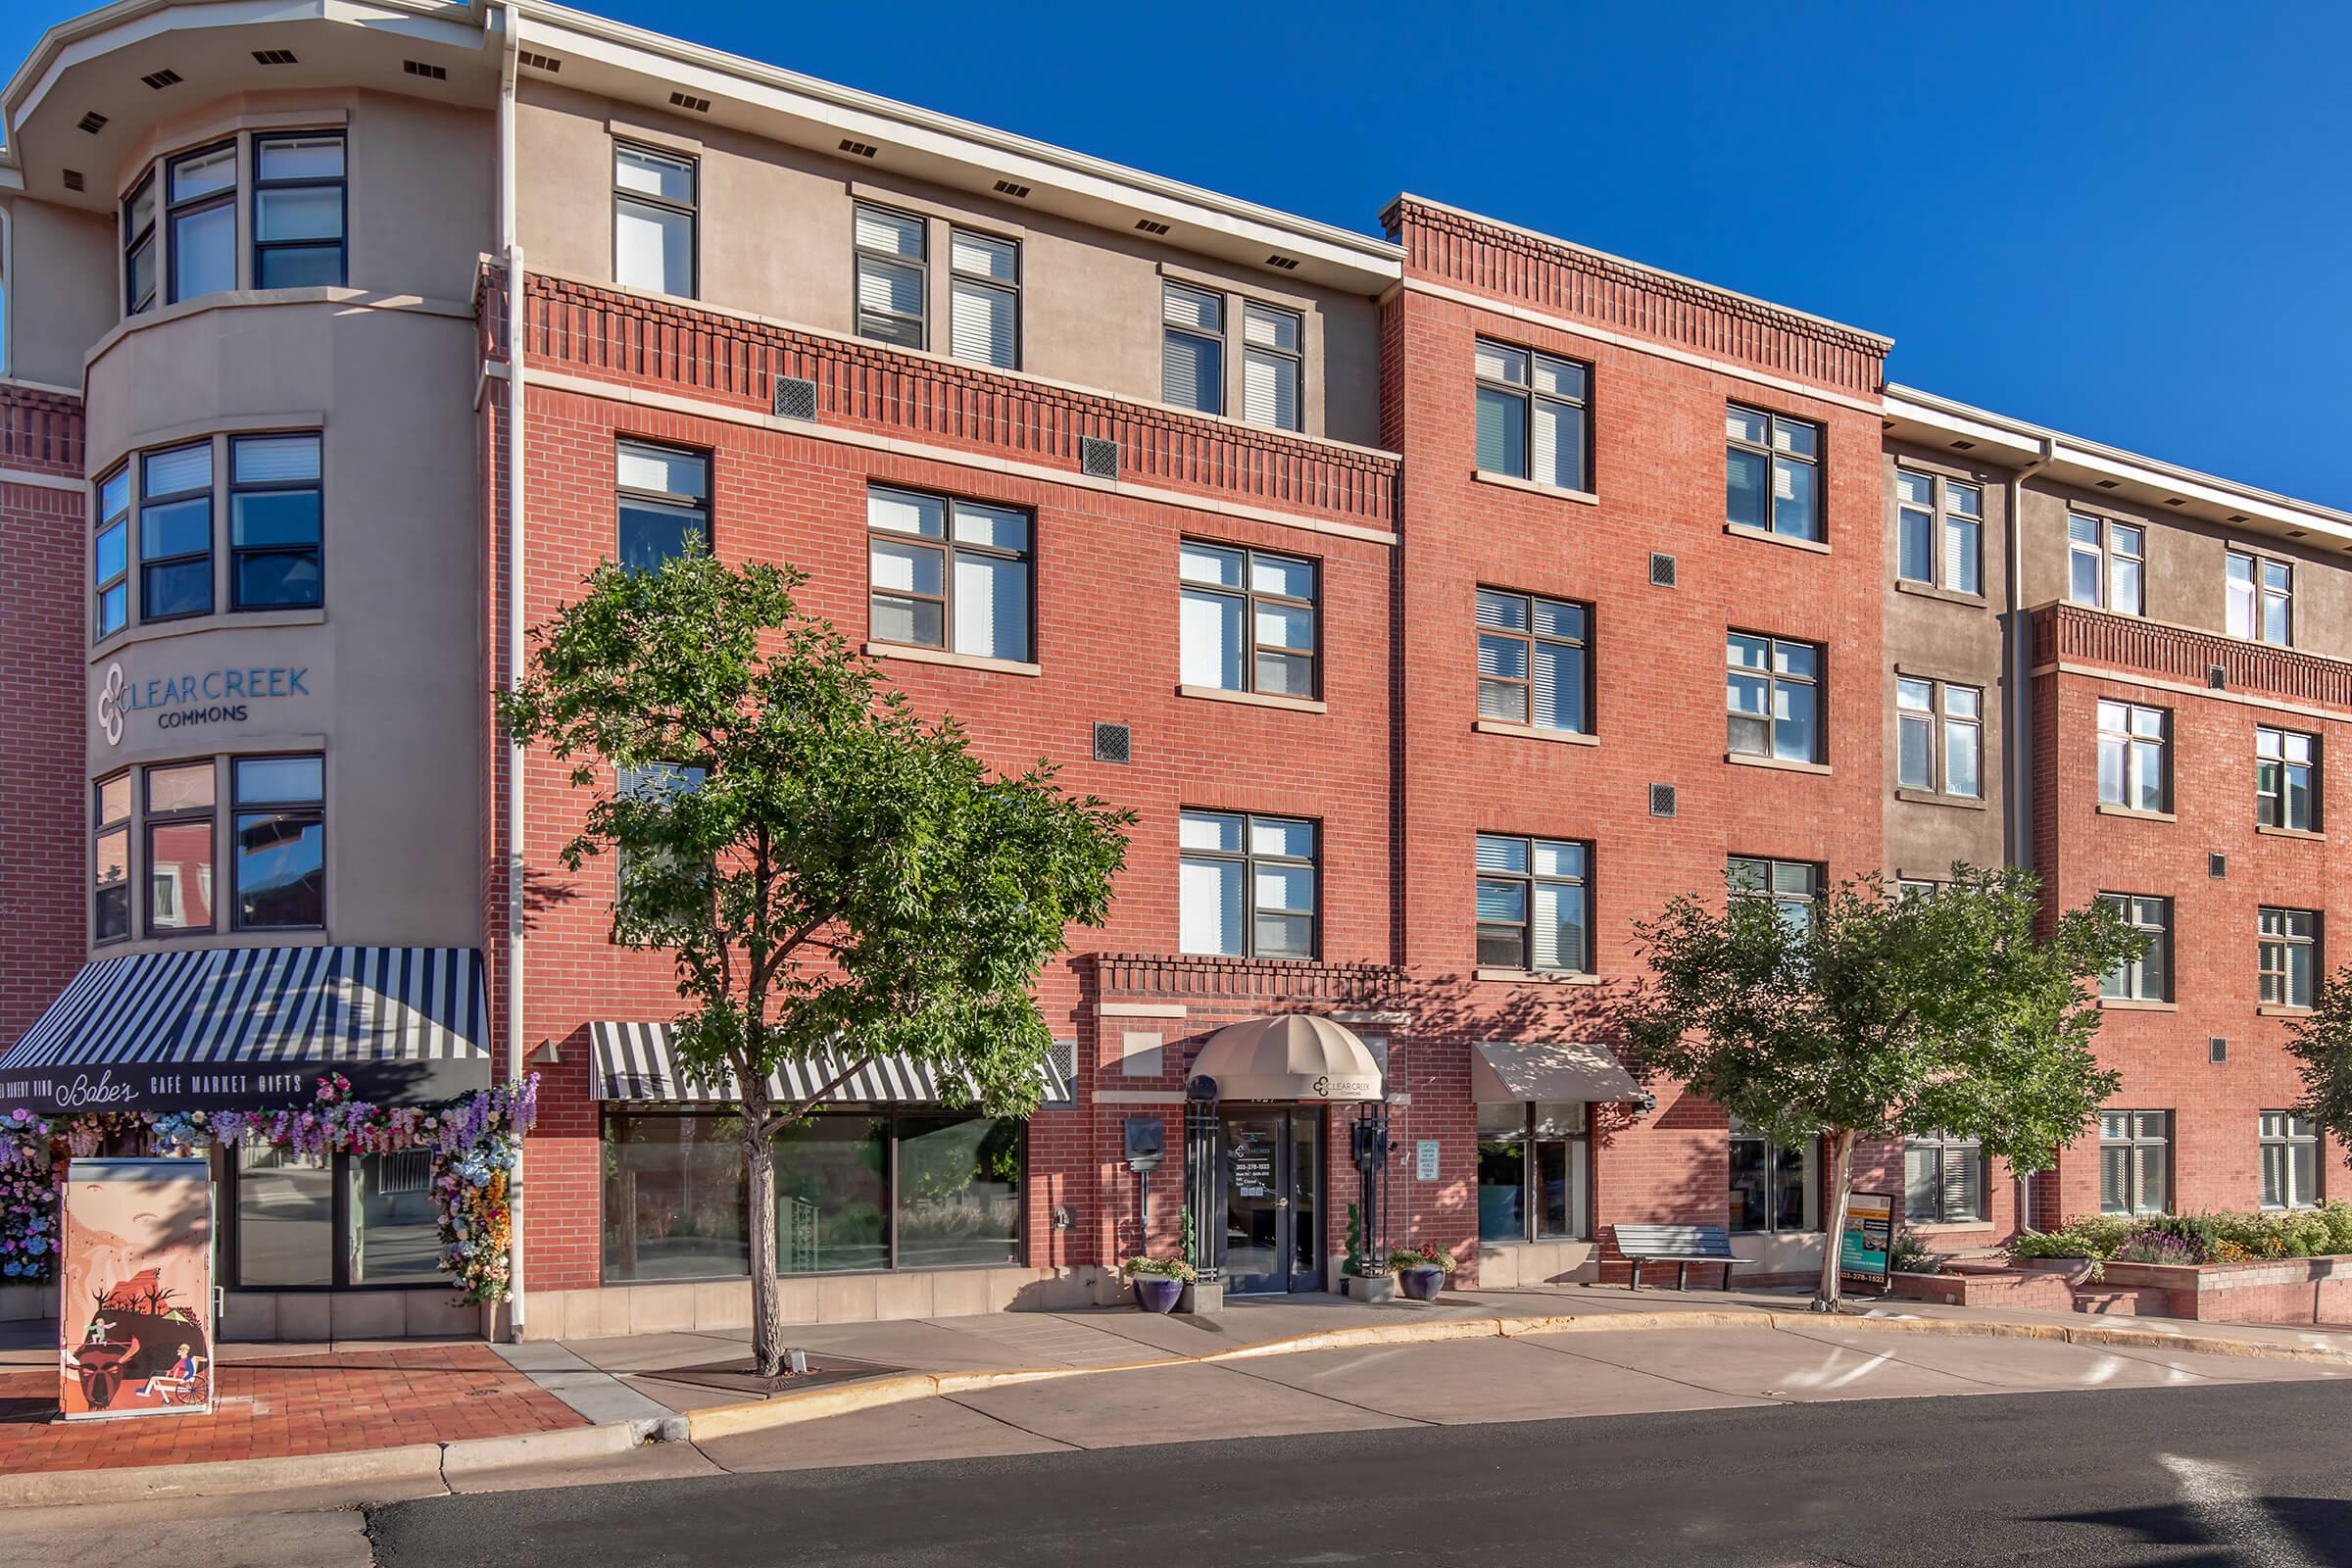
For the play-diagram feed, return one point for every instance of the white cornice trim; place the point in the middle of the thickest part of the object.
(39, 480)
(2159, 683)
(1561, 323)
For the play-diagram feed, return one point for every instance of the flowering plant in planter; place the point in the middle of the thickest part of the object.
(1421, 1255)
(1165, 1269)
(29, 1186)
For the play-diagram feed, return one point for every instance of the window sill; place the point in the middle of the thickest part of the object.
(1539, 977)
(1536, 487)
(2291, 833)
(212, 620)
(2107, 810)
(1534, 732)
(2280, 1010)
(2135, 1004)
(1219, 693)
(1749, 760)
(939, 656)
(1950, 596)
(1962, 803)
(1740, 530)
(1944, 1227)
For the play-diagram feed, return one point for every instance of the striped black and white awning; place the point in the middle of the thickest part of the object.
(635, 1061)
(224, 1019)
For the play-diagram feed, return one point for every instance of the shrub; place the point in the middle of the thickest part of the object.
(1426, 1255)
(1911, 1254)
(1171, 1268)
(2091, 1236)
(2162, 1243)
(2220, 1236)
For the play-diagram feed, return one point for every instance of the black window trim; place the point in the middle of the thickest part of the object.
(1819, 463)
(128, 519)
(150, 819)
(150, 183)
(239, 806)
(170, 212)
(2134, 971)
(691, 211)
(1580, 1146)
(1527, 396)
(342, 185)
(920, 263)
(950, 547)
(1531, 638)
(666, 500)
(141, 501)
(1249, 596)
(236, 487)
(2273, 801)
(1529, 880)
(1939, 514)
(101, 826)
(1249, 858)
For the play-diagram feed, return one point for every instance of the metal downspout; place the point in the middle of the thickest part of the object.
(2018, 820)
(512, 249)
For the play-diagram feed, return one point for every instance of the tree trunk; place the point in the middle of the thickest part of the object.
(1840, 1147)
(760, 1174)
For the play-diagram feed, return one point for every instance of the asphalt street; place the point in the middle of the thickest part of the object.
(2253, 1474)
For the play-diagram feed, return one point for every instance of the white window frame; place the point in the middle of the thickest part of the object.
(2134, 1131)
(1951, 714)
(969, 283)
(2139, 741)
(920, 263)
(2274, 751)
(2283, 1134)
(2152, 917)
(2110, 542)
(2252, 585)
(1492, 363)
(1265, 348)
(2279, 932)
(1952, 514)
(1250, 857)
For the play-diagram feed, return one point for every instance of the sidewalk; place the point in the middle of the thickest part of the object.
(1035, 1382)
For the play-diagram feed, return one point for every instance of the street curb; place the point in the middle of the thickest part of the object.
(790, 1409)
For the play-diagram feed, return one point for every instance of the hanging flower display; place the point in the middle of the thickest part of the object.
(476, 1142)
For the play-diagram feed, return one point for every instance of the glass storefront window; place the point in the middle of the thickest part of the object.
(286, 1218)
(960, 1191)
(1767, 1183)
(1503, 1172)
(673, 1198)
(833, 1195)
(399, 1240)
(1531, 1168)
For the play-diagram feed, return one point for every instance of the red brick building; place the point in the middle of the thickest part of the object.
(1443, 601)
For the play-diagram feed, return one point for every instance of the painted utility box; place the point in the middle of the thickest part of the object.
(135, 1325)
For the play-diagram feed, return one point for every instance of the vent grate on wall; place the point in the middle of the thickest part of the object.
(1150, 227)
(1006, 187)
(795, 398)
(2218, 677)
(1661, 800)
(539, 62)
(2217, 1048)
(1288, 264)
(418, 68)
(273, 57)
(1661, 569)
(93, 122)
(71, 178)
(687, 100)
(1113, 743)
(1097, 459)
(862, 149)
(2216, 864)
(159, 80)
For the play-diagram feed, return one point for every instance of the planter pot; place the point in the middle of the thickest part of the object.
(1371, 1288)
(1156, 1292)
(1203, 1296)
(1422, 1284)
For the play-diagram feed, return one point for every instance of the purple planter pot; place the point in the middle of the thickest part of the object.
(1422, 1284)
(1155, 1293)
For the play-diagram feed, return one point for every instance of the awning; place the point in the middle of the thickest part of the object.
(204, 1028)
(1550, 1070)
(635, 1061)
(1295, 1056)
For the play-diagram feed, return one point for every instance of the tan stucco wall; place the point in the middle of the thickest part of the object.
(395, 656)
(775, 238)
(60, 289)
(1945, 638)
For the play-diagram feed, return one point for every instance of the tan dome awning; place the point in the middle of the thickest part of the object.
(1296, 1055)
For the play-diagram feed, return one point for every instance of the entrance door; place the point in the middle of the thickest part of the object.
(1273, 1200)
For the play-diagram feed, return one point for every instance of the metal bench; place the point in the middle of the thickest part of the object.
(1679, 1244)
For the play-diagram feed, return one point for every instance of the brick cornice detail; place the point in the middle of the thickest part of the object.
(1164, 974)
(40, 430)
(2073, 634)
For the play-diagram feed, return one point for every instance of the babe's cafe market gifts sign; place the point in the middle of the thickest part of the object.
(135, 1325)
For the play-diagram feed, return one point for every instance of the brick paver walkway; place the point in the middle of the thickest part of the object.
(307, 1403)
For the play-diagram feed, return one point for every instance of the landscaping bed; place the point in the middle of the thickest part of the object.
(2289, 1266)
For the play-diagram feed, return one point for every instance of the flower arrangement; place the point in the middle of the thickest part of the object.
(476, 1143)
(1168, 1268)
(1421, 1255)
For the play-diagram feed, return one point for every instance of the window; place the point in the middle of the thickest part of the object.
(199, 216)
(665, 500)
(175, 532)
(949, 573)
(273, 521)
(340, 1219)
(649, 783)
(892, 277)
(2105, 563)
(2289, 948)
(854, 1192)
(1939, 519)
(1532, 1160)
(2290, 1160)
(2261, 599)
(2286, 776)
(1534, 663)
(138, 248)
(653, 204)
(1192, 353)
(1271, 367)
(297, 210)
(110, 853)
(1771, 454)
(110, 556)
(2134, 1160)
(1531, 416)
(1535, 904)
(2148, 977)
(1246, 885)
(1793, 886)
(2131, 757)
(1943, 1180)
(1940, 737)
(1773, 693)
(280, 841)
(180, 848)
(1247, 621)
(1768, 1186)
(984, 300)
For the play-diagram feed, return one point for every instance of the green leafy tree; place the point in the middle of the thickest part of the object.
(839, 878)
(1884, 1014)
(2323, 1042)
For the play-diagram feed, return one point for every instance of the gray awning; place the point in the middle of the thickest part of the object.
(1550, 1070)
(1296, 1055)
(637, 1061)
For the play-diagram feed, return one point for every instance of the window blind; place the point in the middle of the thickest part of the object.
(980, 324)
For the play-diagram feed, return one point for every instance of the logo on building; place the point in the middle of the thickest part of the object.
(210, 697)
(110, 705)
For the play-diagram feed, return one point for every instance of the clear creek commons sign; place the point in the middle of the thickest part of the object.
(201, 697)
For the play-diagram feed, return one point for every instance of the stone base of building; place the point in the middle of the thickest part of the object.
(302, 1317)
(666, 1308)
(1508, 1266)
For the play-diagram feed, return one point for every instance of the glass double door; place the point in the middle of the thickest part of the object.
(1273, 1200)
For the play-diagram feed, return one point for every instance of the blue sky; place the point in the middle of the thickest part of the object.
(2129, 221)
